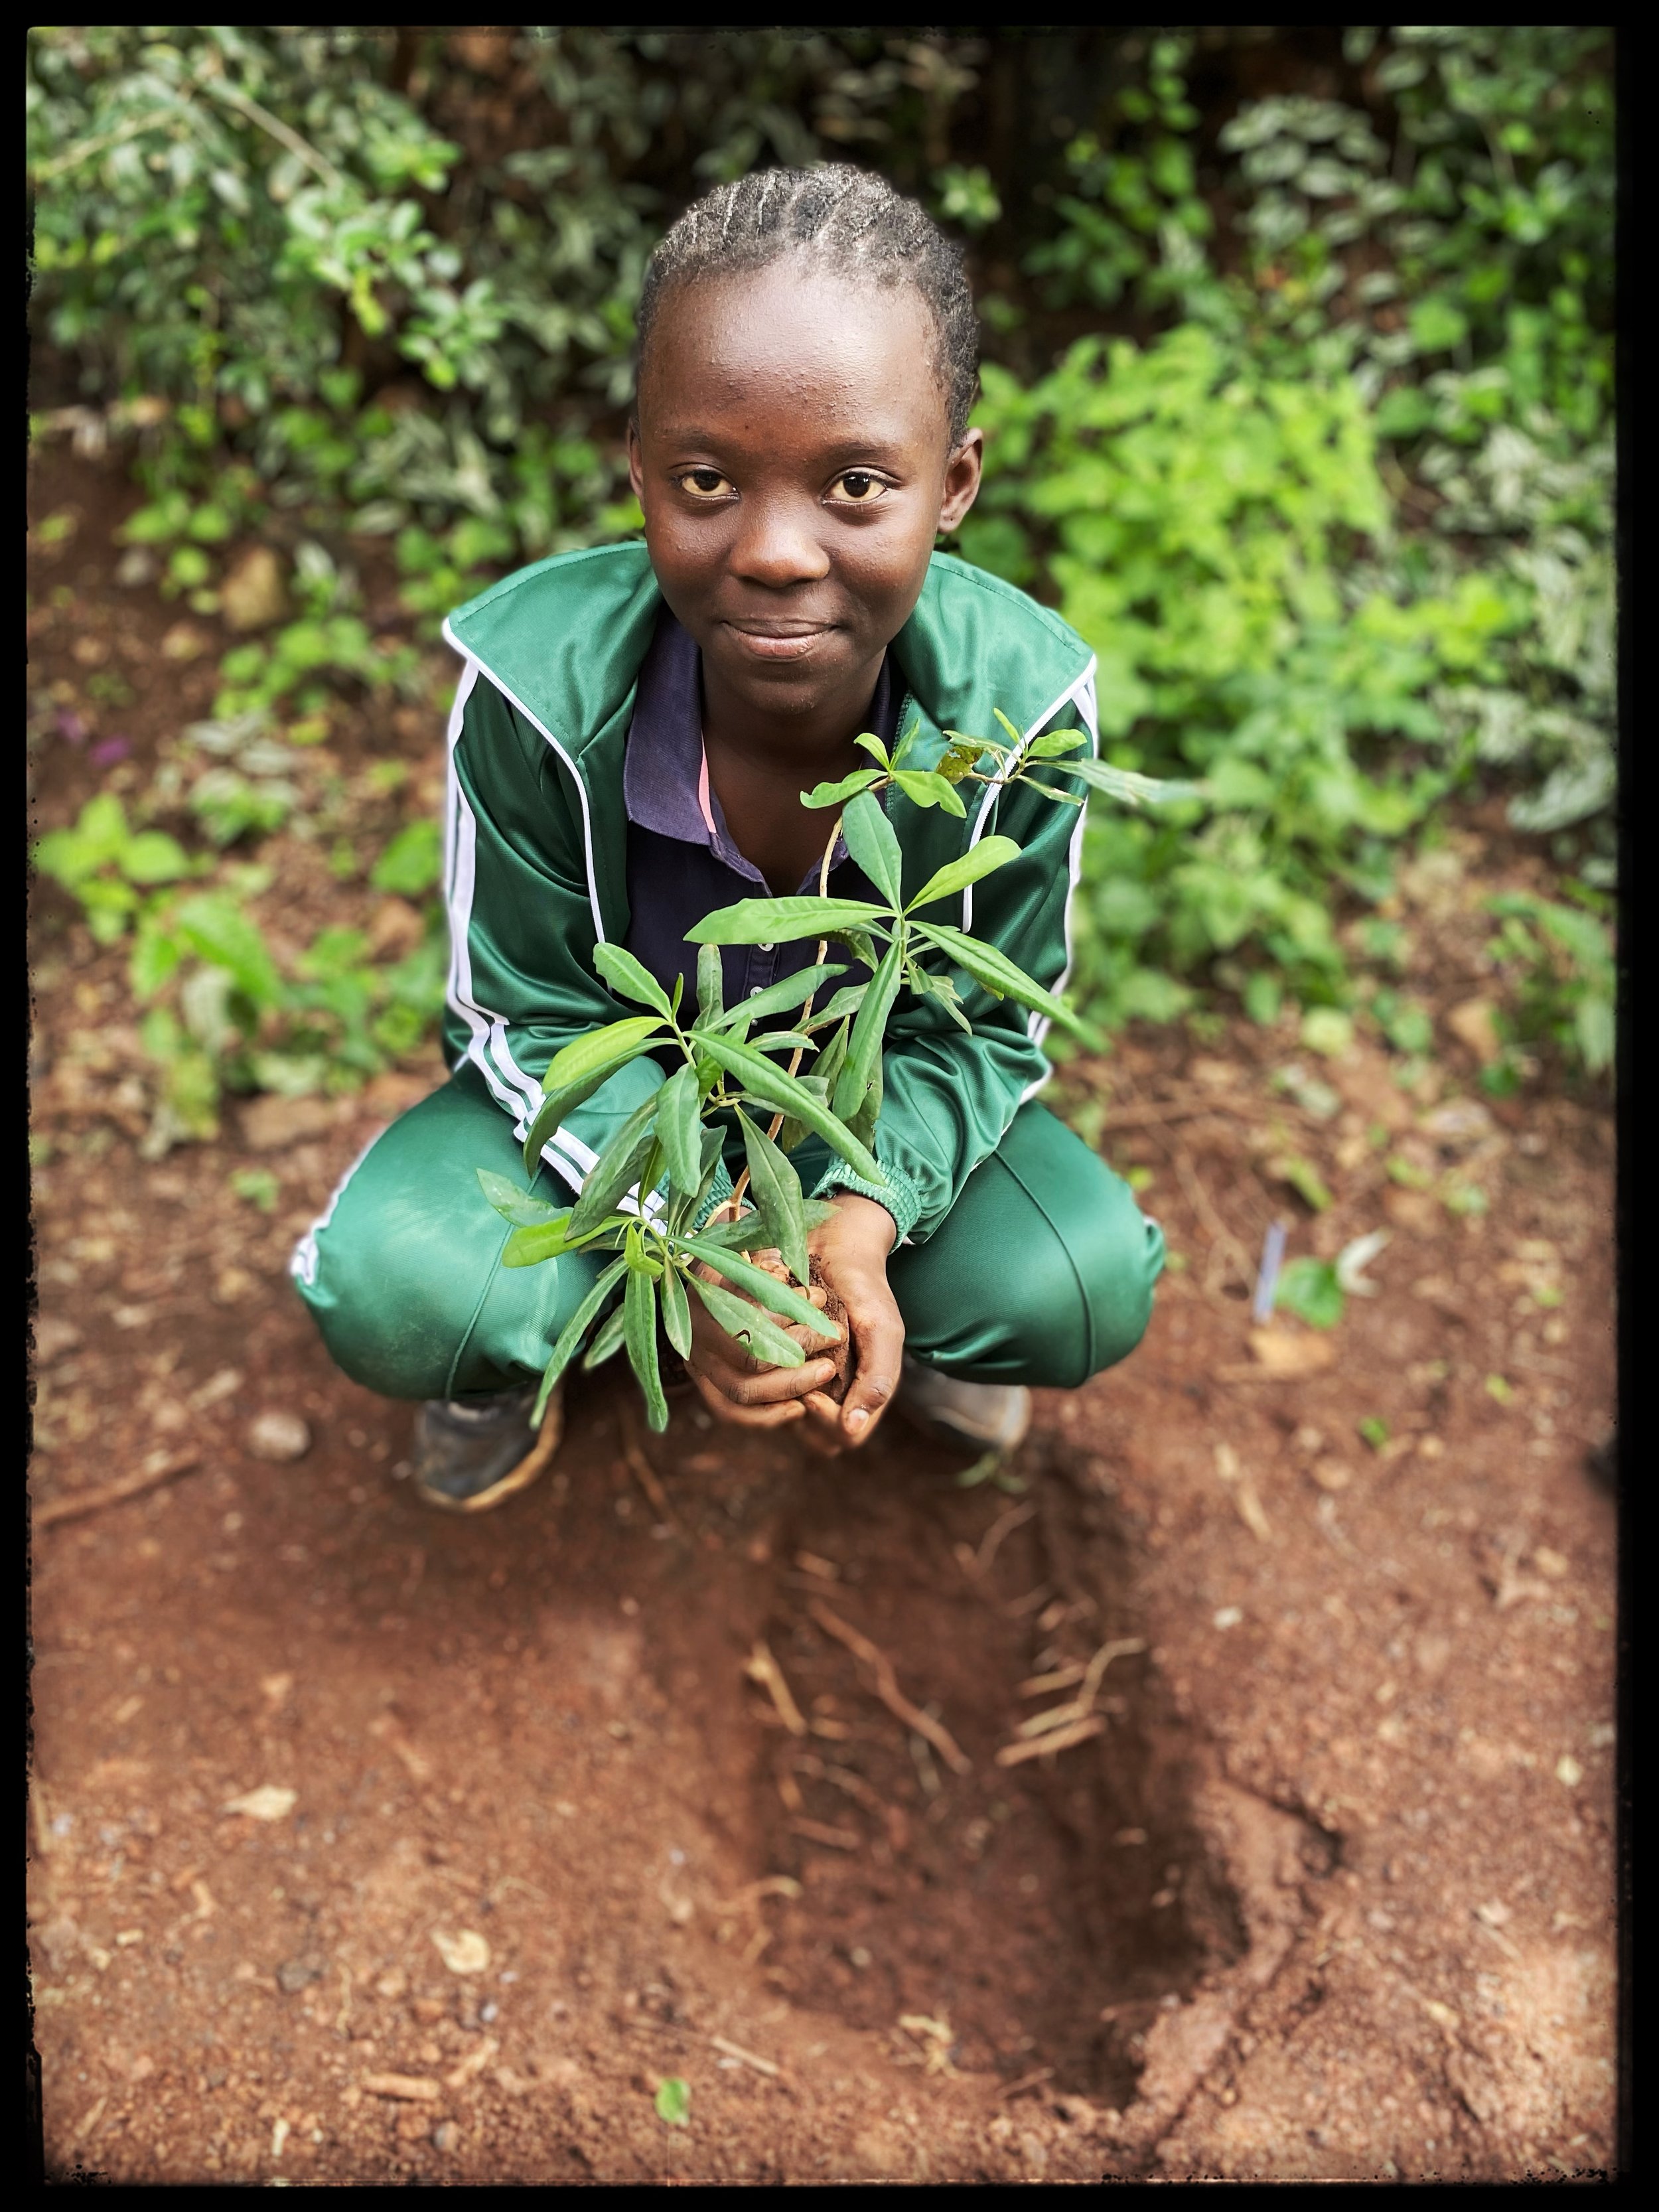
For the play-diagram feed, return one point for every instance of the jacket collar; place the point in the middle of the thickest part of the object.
(566, 639)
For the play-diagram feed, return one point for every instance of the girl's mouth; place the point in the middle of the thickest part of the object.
(778, 639)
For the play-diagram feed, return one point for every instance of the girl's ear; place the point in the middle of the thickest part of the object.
(636, 459)
(961, 475)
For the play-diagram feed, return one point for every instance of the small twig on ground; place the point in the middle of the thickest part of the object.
(1016, 1608)
(855, 1787)
(641, 1470)
(887, 1688)
(474, 2062)
(815, 1832)
(766, 2066)
(1011, 1754)
(1064, 1725)
(150, 1476)
(761, 1667)
(770, 1885)
(1028, 2082)
(1015, 1517)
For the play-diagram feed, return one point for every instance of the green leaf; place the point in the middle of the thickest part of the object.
(1014, 738)
(783, 997)
(774, 1088)
(998, 975)
(1304, 1177)
(214, 926)
(863, 1123)
(630, 978)
(777, 1194)
(1309, 1289)
(152, 857)
(156, 953)
(519, 1207)
(1121, 783)
(781, 920)
(960, 742)
(836, 794)
(676, 1311)
(749, 1233)
(990, 853)
(1052, 742)
(680, 1129)
(626, 1042)
(940, 987)
(571, 1335)
(927, 787)
(871, 744)
(411, 863)
(749, 1325)
(845, 1003)
(864, 1048)
(674, 2102)
(603, 1049)
(858, 943)
(639, 1329)
(617, 1169)
(711, 1002)
(833, 1058)
(776, 1297)
(610, 1339)
(874, 845)
(546, 1240)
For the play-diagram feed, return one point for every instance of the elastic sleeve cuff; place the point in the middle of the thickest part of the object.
(719, 1194)
(898, 1195)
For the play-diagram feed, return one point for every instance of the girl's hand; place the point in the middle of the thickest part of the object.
(851, 1249)
(748, 1392)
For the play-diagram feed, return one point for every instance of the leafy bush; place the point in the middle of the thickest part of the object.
(1197, 517)
(1334, 504)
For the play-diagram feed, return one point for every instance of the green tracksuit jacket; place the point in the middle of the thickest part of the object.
(536, 840)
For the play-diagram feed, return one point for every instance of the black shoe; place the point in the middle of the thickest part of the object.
(468, 1458)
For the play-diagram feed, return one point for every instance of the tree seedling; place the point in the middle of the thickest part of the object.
(651, 1184)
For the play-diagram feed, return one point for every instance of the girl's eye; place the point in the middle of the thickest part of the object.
(858, 488)
(706, 483)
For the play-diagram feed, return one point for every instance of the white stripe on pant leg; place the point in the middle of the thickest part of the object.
(303, 1264)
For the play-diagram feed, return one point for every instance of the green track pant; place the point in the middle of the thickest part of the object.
(1042, 1272)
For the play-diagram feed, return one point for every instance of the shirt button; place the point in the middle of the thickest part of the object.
(769, 948)
(755, 993)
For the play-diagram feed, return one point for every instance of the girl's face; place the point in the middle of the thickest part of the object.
(791, 456)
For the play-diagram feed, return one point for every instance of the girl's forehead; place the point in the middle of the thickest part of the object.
(818, 339)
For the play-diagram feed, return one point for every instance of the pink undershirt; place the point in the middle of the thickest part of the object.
(702, 793)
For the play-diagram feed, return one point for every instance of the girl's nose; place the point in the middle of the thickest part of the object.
(777, 544)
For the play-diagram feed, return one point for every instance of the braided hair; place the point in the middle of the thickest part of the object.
(839, 218)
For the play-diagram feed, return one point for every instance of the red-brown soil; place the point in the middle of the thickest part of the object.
(1329, 1894)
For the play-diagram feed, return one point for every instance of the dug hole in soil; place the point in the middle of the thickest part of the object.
(369, 1844)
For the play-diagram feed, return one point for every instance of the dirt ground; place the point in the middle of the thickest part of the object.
(369, 1844)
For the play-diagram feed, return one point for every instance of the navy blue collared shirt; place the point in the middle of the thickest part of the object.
(683, 861)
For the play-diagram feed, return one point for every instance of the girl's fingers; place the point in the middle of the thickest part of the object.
(824, 1430)
(770, 1386)
(747, 1417)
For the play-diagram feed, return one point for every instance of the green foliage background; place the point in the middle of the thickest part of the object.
(1298, 394)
